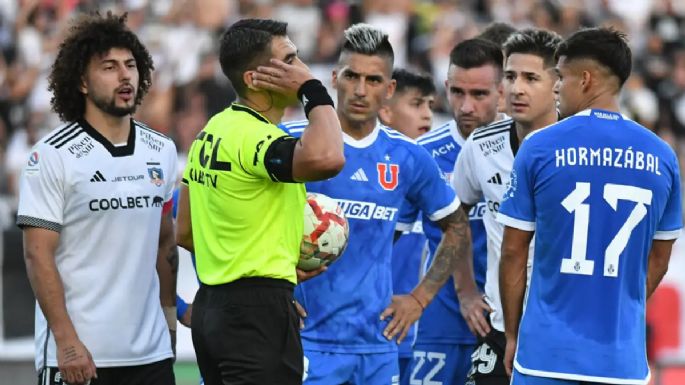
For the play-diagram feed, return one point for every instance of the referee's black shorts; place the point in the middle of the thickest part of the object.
(247, 332)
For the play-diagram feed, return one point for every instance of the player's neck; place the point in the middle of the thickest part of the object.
(601, 101)
(525, 128)
(356, 129)
(114, 128)
(263, 105)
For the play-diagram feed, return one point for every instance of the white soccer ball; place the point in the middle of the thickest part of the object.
(325, 232)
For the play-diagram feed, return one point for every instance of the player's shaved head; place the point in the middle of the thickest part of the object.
(367, 40)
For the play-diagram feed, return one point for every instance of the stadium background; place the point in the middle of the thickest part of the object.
(188, 87)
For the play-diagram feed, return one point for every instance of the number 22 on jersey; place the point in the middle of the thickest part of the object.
(573, 203)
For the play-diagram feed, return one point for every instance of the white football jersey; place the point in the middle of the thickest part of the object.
(483, 169)
(106, 203)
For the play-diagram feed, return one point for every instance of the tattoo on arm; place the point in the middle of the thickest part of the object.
(172, 259)
(70, 355)
(453, 249)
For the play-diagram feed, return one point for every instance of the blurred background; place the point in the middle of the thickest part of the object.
(188, 88)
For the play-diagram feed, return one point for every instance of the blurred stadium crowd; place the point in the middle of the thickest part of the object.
(188, 86)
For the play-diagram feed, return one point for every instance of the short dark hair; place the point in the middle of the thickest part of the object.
(93, 34)
(407, 79)
(607, 46)
(497, 33)
(473, 53)
(534, 41)
(367, 40)
(246, 43)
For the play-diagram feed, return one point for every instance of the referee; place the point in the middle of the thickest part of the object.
(241, 208)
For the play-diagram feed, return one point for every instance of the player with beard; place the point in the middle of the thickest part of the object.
(93, 191)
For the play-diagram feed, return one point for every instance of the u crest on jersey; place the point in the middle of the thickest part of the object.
(388, 180)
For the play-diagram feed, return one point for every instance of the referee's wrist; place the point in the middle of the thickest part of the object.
(312, 93)
(170, 316)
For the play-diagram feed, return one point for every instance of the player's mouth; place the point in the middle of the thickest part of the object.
(519, 107)
(125, 93)
(359, 107)
(424, 129)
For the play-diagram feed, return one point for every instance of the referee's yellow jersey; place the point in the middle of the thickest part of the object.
(245, 223)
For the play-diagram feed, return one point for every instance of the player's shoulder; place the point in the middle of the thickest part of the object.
(149, 132)
(499, 128)
(437, 136)
(395, 136)
(57, 140)
(295, 127)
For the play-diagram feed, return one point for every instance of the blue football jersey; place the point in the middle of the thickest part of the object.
(596, 188)
(442, 322)
(382, 171)
(407, 254)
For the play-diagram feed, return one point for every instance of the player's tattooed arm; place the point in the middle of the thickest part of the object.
(167, 261)
(454, 250)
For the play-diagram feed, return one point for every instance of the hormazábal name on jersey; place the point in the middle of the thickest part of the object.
(607, 157)
(366, 210)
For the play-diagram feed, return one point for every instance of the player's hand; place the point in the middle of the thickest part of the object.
(473, 307)
(301, 312)
(282, 77)
(75, 362)
(185, 319)
(303, 275)
(509, 352)
(404, 310)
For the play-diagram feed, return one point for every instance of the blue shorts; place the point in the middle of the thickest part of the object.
(439, 363)
(321, 368)
(405, 370)
(519, 378)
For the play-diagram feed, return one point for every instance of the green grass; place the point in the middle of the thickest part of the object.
(187, 373)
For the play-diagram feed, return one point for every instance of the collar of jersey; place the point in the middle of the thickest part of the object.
(115, 151)
(456, 134)
(365, 141)
(588, 112)
(243, 108)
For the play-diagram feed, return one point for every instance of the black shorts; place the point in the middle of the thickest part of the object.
(156, 373)
(248, 332)
(487, 361)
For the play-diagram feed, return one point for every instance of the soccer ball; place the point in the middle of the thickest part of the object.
(325, 232)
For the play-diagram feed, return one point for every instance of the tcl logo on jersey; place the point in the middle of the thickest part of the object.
(366, 210)
(125, 203)
(388, 179)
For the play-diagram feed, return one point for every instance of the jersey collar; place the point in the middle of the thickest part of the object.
(456, 134)
(513, 138)
(115, 151)
(257, 115)
(365, 141)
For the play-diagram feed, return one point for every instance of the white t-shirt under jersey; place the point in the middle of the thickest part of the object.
(106, 203)
(483, 169)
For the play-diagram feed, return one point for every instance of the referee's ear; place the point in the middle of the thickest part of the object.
(247, 79)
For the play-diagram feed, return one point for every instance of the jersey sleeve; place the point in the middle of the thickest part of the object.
(464, 180)
(429, 192)
(671, 221)
(172, 178)
(518, 204)
(253, 150)
(41, 190)
(408, 215)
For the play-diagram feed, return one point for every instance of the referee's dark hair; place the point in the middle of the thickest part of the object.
(474, 53)
(246, 44)
(407, 79)
(92, 34)
(534, 41)
(606, 46)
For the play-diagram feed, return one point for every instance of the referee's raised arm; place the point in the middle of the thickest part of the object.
(318, 154)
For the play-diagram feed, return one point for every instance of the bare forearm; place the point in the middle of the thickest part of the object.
(167, 262)
(657, 265)
(49, 291)
(513, 277)
(453, 256)
(319, 152)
